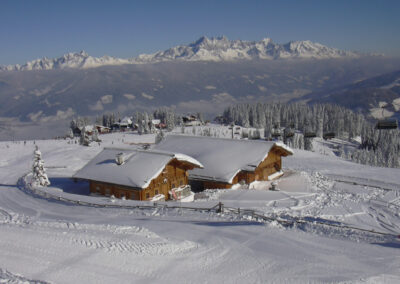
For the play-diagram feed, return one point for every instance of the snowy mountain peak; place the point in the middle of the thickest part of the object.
(204, 49)
(223, 49)
(79, 60)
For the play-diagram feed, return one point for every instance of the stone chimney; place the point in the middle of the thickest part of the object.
(119, 159)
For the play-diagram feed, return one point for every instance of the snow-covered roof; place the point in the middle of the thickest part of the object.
(140, 167)
(88, 128)
(101, 126)
(125, 121)
(222, 158)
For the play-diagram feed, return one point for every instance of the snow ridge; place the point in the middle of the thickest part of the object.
(204, 49)
(80, 60)
(223, 49)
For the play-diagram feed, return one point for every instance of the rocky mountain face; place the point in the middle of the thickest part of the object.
(204, 49)
(79, 60)
(223, 49)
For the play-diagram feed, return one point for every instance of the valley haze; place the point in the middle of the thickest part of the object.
(206, 75)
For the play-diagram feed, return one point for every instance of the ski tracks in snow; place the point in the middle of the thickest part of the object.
(110, 238)
(10, 278)
(348, 202)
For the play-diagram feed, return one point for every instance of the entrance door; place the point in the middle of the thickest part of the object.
(164, 190)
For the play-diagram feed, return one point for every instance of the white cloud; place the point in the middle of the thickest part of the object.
(34, 116)
(60, 114)
(149, 97)
(107, 99)
(262, 88)
(129, 96)
(210, 87)
(97, 106)
(41, 92)
(223, 98)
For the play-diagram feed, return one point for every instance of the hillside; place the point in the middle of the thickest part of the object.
(41, 96)
(73, 243)
(368, 95)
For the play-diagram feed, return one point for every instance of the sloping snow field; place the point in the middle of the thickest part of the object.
(46, 240)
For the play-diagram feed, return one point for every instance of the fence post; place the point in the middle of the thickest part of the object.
(220, 207)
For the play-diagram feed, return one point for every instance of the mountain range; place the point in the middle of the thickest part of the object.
(204, 76)
(204, 49)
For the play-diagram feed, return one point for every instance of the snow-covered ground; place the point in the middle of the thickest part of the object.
(43, 239)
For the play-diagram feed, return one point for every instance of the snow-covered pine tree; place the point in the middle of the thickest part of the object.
(159, 137)
(140, 123)
(170, 120)
(85, 139)
(182, 126)
(200, 117)
(39, 176)
(95, 135)
(70, 134)
(146, 128)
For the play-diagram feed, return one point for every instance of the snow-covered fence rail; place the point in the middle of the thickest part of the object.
(258, 216)
(248, 214)
(25, 186)
(364, 182)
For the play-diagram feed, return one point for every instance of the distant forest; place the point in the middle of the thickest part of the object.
(377, 147)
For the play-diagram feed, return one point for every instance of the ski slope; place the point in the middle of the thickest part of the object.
(46, 240)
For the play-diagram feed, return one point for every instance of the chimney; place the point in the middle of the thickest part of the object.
(119, 159)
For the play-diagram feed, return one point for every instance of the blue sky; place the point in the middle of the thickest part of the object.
(34, 29)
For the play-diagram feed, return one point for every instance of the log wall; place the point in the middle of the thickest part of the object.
(271, 164)
(173, 175)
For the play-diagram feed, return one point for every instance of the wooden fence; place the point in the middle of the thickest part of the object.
(248, 214)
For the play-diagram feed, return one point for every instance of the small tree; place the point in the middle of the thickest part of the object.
(85, 140)
(38, 170)
(159, 137)
(95, 135)
(146, 128)
(70, 134)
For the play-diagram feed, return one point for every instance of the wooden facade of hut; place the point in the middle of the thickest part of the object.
(136, 174)
(229, 161)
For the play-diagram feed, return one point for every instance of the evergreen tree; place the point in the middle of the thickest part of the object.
(95, 135)
(159, 137)
(84, 139)
(39, 176)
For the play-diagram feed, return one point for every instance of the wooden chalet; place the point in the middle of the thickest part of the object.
(136, 174)
(102, 129)
(228, 161)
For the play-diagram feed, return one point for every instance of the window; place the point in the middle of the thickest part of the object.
(156, 192)
(173, 185)
(97, 189)
(108, 192)
(147, 195)
(181, 182)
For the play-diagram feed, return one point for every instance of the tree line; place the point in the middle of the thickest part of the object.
(377, 147)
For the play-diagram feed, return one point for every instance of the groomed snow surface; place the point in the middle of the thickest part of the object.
(46, 240)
